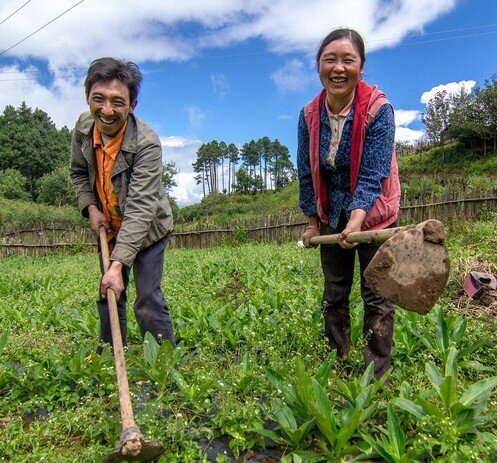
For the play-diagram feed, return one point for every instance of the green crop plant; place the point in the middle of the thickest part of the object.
(454, 418)
(392, 443)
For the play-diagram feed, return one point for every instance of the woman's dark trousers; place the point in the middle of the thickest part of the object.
(338, 269)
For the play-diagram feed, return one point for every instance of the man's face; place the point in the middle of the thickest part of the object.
(110, 106)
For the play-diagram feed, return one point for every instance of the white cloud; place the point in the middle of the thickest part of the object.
(407, 135)
(219, 84)
(195, 115)
(183, 152)
(152, 32)
(63, 100)
(294, 76)
(404, 118)
(451, 88)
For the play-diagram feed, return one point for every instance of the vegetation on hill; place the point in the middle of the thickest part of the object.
(242, 184)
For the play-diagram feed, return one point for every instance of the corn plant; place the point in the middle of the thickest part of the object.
(359, 391)
(295, 393)
(408, 338)
(309, 410)
(450, 330)
(291, 433)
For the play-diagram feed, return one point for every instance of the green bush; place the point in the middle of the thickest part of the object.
(13, 185)
(55, 188)
(17, 213)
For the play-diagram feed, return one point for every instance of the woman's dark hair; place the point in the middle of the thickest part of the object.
(339, 34)
(108, 69)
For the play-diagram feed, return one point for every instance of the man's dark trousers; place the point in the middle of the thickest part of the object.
(151, 309)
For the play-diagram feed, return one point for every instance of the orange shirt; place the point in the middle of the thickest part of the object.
(105, 157)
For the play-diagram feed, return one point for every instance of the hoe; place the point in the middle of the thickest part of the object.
(410, 268)
(132, 445)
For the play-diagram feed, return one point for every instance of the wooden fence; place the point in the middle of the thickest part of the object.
(269, 229)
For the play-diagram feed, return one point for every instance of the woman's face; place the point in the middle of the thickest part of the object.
(340, 69)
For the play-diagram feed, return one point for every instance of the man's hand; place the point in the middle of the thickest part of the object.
(97, 219)
(353, 225)
(113, 279)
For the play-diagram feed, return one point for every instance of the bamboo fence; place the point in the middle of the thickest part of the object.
(268, 229)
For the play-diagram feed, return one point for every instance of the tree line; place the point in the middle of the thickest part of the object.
(34, 158)
(262, 165)
(34, 154)
(470, 117)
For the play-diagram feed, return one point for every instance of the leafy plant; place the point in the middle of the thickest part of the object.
(161, 364)
(458, 416)
(391, 445)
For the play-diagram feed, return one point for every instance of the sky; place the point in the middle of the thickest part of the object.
(237, 70)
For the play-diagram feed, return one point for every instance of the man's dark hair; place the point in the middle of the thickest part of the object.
(339, 34)
(108, 69)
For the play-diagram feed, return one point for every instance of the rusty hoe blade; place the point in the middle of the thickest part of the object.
(412, 267)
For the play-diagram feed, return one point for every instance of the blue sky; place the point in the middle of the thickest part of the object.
(235, 70)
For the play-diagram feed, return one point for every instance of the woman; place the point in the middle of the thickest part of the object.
(348, 181)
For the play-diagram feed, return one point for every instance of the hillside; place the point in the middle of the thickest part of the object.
(431, 174)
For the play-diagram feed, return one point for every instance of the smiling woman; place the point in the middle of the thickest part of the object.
(348, 181)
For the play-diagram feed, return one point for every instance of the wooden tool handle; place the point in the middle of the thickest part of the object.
(127, 419)
(372, 236)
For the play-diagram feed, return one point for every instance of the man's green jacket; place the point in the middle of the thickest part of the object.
(136, 178)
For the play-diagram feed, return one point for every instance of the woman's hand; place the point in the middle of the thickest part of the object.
(310, 231)
(353, 225)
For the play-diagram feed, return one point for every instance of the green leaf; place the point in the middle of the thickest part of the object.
(284, 417)
(367, 376)
(478, 391)
(150, 348)
(396, 435)
(377, 447)
(405, 390)
(268, 433)
(434, 374)
(447, 391)
(451, 363)
(278, 381)
(323, 413)
(307, 456)
(410, 407)
(3, 341)
(429, 408)
(323, 372)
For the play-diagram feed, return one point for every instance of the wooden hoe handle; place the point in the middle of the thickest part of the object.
(372, 236)
(127, 419)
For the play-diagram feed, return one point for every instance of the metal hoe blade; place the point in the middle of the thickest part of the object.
(412, 267)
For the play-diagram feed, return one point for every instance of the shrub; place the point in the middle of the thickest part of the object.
(55, 188)
(13, 185)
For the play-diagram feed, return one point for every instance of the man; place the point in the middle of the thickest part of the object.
(116, 169)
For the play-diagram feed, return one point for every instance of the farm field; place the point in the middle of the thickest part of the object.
(251, 378)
